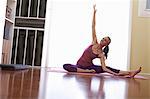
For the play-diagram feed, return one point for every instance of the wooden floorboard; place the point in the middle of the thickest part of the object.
(45, 83)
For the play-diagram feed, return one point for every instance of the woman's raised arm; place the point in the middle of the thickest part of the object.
(94, 38)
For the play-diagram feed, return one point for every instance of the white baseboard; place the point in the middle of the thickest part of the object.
(145, 74)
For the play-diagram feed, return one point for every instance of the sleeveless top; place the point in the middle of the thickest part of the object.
(87, 57)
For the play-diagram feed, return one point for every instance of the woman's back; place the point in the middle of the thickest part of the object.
(87, 57)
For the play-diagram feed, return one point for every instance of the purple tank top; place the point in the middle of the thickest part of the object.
(87, 57)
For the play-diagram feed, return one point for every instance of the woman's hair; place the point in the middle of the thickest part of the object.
(109, 39)
(106, 50)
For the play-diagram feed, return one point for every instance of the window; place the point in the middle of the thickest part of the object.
(70, 30)
(27, 47)
(29, 32)
(21, 46)
(31, 8)
(39, 48)
(17, 7)
(24, 8)
(42, 9)
(144, 8)
(148, 4)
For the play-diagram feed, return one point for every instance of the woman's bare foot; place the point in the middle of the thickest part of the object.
(133, 73)
(90, 70)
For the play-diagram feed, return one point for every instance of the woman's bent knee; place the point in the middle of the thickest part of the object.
(70, 68)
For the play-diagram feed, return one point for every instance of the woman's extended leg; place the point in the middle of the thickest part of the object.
(129, 73)
(125, 73)
(98, 69)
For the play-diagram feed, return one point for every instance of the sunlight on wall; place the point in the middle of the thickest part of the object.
(69, 30)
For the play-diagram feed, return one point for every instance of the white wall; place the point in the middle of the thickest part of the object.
(68, 30)
(2, 22)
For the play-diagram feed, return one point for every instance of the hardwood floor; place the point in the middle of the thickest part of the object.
(38, 83)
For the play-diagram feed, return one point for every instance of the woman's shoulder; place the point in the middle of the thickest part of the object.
(96, 45)
(96, 50)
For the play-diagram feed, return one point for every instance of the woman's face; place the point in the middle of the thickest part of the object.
(105, 41)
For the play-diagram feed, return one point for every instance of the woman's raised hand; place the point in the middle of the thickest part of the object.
(94, 7)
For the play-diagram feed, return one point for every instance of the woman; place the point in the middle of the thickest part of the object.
(97, 50)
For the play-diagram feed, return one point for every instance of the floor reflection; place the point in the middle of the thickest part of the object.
(19, 84)
(138, 89)
(100, 87)
(92, 87)
(109, 87)
(41, 84)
